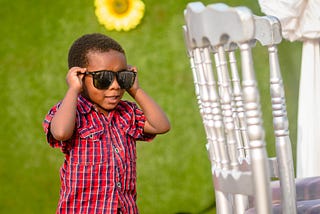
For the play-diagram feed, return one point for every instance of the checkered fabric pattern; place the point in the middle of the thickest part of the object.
(99, 171)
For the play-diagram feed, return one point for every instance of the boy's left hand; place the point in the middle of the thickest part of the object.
(135, 86)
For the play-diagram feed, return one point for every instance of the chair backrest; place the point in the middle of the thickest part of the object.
(230, 107)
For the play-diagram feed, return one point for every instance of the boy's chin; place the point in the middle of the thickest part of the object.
(107, 107)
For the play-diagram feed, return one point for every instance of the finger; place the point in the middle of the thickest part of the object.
(81, 71)
(132, 68)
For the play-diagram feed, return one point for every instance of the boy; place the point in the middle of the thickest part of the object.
(97, 131)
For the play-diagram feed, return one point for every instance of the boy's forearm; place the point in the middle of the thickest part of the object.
(63, 122)
(156, 120)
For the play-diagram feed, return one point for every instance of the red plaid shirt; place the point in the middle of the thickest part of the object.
(99, 171)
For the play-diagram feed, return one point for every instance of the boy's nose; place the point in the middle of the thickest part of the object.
(114, 84)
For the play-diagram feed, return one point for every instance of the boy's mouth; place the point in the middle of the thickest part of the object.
(115, 97)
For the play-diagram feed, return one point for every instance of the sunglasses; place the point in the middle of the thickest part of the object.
(103, 79)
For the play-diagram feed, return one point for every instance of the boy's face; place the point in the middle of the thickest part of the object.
(107, 99)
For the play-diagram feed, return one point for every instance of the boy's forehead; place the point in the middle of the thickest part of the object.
(94, 52)
(111, 59)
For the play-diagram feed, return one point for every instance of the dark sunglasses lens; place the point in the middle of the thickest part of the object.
(103, 79)
(126, 79)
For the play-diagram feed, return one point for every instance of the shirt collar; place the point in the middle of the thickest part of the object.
(85, 105)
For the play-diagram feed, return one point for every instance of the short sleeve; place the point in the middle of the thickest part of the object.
(137, 122)
(50, 139)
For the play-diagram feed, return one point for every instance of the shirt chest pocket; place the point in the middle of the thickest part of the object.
(91, 133)
(91, 147)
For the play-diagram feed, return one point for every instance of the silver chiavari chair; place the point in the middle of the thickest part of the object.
(229, 104)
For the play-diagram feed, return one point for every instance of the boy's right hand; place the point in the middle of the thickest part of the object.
(74, 78)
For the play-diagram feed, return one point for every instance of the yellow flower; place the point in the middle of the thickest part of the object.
(119, 14)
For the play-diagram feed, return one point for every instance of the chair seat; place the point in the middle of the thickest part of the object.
(308, 206)
(306, 189)
(308, 196)
(303, 207)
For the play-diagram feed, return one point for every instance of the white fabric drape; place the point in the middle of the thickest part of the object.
(300, 21)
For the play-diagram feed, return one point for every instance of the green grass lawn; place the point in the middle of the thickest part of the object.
(173, 171)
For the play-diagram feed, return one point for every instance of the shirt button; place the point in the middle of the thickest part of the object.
(119, 184)
(117, 150)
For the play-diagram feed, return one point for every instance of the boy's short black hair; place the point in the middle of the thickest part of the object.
(90, 42)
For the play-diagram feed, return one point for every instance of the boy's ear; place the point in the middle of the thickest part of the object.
(132, 68)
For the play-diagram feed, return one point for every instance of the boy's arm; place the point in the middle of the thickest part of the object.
(156, 120)
(63, 122)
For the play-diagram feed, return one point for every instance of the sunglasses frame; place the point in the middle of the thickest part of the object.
(115, 76)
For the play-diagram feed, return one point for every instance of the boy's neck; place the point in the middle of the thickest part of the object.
(102, 110)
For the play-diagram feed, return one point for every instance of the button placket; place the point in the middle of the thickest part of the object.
(119, 185)
(115, 149)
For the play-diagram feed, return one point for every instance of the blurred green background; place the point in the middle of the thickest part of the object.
(173, 171)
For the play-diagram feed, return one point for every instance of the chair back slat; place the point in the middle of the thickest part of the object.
(238, 108)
